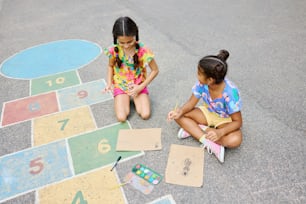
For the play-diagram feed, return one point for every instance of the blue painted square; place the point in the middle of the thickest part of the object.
(164, 200)
(33, 168)
(84, 94)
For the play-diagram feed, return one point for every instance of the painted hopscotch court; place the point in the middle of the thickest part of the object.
(70, 158)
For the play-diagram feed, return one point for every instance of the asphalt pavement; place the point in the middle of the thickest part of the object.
(266, 42)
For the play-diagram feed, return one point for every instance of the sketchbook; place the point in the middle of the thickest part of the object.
(139, 139)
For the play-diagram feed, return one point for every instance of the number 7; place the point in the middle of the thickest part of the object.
(65, 121)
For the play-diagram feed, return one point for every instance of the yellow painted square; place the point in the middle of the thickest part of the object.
(94, 188)
(63, 124)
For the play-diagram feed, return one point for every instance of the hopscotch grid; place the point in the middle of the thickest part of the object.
(57, 98)
(169, 197)
(54, 89)
(32, 133)
(47, 92)
(121, 188)
(50, 114)
(70, 162)
(78, 75)
(141, 153)
(83, 133)
(38, 45)
(36, 197)
(30, 87)
(15, 123)
(58, 102)
(91, 82)
(46, 115)
(17, 195)
(92, 115)
(1, 116)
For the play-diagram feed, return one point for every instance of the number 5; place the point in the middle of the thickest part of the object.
(36, 165)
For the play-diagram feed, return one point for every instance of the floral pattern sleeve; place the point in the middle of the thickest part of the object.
(109, 52)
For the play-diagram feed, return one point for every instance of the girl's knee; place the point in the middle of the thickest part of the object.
(232, 140)
(235, 141)
(145, 115)
(121, 117)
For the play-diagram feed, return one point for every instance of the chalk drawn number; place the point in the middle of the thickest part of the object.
(82, 94)
(36, 165)
(79, 196)
(103, 146)
(59, 80)
(65, 121)
(35, 106)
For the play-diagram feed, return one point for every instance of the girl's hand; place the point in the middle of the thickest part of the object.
(174, 114)
(134, 89)
(213, 134)
(108, 88)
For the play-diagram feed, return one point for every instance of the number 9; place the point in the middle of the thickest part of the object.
(82, 94)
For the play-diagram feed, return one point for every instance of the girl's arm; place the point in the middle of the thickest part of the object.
(154, 71)
(188, 106)
(110, 73)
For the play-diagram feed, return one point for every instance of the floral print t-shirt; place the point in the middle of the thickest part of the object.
(228, 104)
(127, 73)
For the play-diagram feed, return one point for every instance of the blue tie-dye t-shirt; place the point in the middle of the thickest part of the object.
(228, 104)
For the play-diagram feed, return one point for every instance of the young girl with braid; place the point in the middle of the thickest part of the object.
(127, 70)
(216, 123)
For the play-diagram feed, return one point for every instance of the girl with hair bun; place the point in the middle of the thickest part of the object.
(127, 70)
(216, 124)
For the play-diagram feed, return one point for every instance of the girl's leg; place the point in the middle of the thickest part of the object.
(189, 122)
(142, 105)
(231, 140)
(122, 107)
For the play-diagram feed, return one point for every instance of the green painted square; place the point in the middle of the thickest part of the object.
(98, 148)
(54, 82)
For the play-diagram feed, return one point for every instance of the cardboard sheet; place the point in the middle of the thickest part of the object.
(139, 139)
(185, 166)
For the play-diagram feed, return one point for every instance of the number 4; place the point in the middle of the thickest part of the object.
(79, 196)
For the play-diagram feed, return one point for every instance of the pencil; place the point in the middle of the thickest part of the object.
(120, 185)
(175, 106)
(116, 163)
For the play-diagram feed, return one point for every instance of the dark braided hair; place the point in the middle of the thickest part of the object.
(214, 66)
(125, 26)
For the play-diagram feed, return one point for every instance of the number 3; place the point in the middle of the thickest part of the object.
(36, 165)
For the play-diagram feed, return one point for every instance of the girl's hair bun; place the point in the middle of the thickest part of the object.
(223, 55)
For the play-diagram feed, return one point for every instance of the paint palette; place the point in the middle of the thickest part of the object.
(147, 174)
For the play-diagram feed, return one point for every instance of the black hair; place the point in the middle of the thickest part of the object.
(125, 26)
(214, 66)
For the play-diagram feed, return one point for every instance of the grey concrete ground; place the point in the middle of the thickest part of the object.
(266, 41)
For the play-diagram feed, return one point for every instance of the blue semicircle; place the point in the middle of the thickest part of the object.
(50, 58)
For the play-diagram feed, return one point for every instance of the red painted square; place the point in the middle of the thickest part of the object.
(28, 108)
